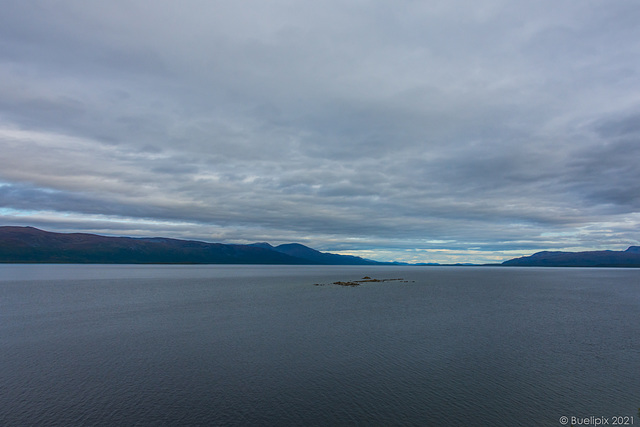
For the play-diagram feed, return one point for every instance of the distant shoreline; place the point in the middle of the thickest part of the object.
(29, 245)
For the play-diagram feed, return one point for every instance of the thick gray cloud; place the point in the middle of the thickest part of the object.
(457, 130)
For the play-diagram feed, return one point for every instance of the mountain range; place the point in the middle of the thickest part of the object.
(32, 245)
(627, 258)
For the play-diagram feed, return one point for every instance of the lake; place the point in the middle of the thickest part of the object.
(261, 345)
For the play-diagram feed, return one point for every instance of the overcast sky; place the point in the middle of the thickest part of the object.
(446, 131)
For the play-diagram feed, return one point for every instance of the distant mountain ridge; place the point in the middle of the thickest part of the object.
(627, 258)
(32, 245)
(300, 251)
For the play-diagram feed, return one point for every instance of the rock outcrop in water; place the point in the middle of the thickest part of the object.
(365, 279)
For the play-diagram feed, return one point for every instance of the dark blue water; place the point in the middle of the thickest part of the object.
(260, 345)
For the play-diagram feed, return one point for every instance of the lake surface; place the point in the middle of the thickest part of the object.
(261, 345)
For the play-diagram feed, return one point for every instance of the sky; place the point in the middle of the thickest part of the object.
(418, 131)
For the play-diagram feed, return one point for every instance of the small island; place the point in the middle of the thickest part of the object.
(365, 279)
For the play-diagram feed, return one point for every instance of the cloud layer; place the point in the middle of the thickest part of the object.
(437, 131)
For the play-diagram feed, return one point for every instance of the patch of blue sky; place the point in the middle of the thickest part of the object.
(17, 212)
